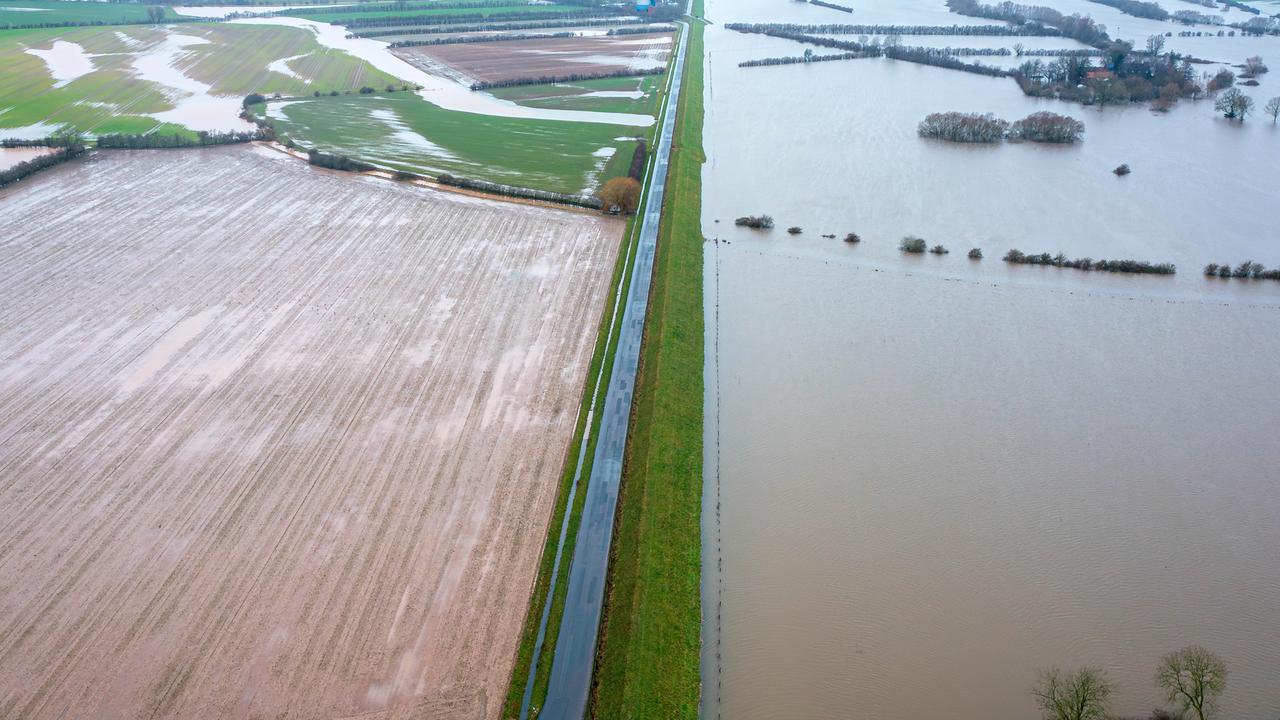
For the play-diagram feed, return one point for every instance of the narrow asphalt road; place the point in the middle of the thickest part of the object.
(576, 645)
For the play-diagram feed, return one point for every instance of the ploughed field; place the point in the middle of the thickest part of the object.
(516, 59)
(274, 441)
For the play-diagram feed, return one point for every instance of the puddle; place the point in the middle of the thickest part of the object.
(66, 61)
(443, 92)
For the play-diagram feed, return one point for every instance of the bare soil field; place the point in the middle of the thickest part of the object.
(498, 61)
(275, 441)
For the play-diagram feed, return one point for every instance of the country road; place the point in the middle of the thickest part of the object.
(571, 670)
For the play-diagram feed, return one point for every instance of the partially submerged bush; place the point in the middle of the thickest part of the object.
(1047, 127)
(912, 244)
(757, 222)
(939, 250)
(975, 254)
(852, 238)
(1122, 169)
(963, 127)
(1060, 260)
(795, 230)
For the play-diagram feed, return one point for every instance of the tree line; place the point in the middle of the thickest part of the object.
(1018, 257)
(1246, 269)
(412, 20)
(923, 56)
(1137, 8)
(844, 29)
(30, 167)
(832, 6)
(1042, 126)
(519, 192)
(364, 7)
(464, 39)
(808, 57)
(1076, 27)
(569, 77)
(133, 141)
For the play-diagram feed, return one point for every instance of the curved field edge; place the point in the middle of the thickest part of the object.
(602, 367)
(647, 663)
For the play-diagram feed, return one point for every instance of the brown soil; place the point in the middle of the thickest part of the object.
(274, 441)
(497, 61)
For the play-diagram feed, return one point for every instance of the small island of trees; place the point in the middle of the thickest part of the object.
(1042, 126)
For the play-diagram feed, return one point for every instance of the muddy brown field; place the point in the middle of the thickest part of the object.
(274, 441)
(498, 61)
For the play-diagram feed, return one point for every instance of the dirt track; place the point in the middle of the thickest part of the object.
(498, 61)
(277, 442)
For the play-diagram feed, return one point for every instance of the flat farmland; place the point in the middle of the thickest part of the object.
(278, 442)
(499, 61)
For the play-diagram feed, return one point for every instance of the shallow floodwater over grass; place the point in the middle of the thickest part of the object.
(938, 475)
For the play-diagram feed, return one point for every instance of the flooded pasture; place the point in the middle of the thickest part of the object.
(970, 470)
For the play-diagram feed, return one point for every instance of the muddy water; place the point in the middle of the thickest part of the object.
(936, 475)
(13, 156)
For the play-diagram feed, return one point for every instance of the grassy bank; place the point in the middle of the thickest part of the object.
(647, 666)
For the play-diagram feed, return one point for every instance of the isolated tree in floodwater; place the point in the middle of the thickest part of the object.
(1272, 108)
(1193, 679)
(1155, 45)
(622, 193)
(1234, 105)
(1081, 695)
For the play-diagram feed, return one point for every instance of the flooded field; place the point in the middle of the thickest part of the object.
(969, 470)
(13, 156)
(287, 450)
(498, 61)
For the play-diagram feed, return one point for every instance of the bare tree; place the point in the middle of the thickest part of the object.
(1155, 45)
(1081, 695)
(1272, 108)
(1193, 678)
(1234, 105)
(1254, 65)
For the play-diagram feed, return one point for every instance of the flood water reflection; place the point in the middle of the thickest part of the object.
(936, 475)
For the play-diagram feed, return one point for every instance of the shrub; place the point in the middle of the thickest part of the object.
(912, 244)
(757, 222)
(1223, 80)
(794, 230)
(975, 254)
(366, 90)
(253, 99)
(1122, 169)
(939, 250)
(852, 238)
(963, 127)
(1211, 270)
(1047, 127)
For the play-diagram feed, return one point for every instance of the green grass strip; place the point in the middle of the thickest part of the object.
(648, 659)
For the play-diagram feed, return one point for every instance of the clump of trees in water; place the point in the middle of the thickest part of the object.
(912, 244)
(67, 148)
(1087, 264)
(1247, 269)
(755, 222)
(975, 254)
(987, 128)
(570, 77)
(939, 250)
(493, 188)
(1192, 680)
(795, 230)
(852, 238)
(1234, 104)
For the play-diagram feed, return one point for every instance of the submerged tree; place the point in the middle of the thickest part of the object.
(1193, 678)
(1081, 695)
(1234, 105)
(1272, 108)
(622, 193)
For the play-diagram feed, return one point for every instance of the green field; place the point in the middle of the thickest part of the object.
(69, 11)
(112, 98)
(403, 131)
(648, 659)
(574, 96)
(342, 18)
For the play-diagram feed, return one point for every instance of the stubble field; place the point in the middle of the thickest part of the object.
(276, 442)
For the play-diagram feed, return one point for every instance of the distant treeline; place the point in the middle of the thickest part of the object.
(99, 23)
(923, 56)
(840, 29)
(123, 141)
(61, 140)
(1246, 269)
(519, 192)
(412, 20)
(364, 7)
(1137, 8)
(337, 162)
(570, 77)
(1046, 127)
(1241, 6)
(480, 27)
(833, 6)
(1076, 27)
(35, 165)
(1087, 264)
(463, 39)
(798, 59)
(643, 30)
(1072, 52)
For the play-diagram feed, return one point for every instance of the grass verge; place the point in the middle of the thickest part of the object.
(647, 663)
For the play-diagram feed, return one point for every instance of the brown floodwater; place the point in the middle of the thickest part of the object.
(929, 477)
(13, 156)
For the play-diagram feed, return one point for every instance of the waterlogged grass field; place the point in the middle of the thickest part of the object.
(403, 131)
(235, 60)
(30, 12)
(582, 95)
